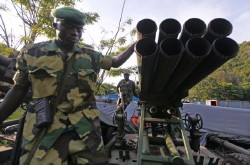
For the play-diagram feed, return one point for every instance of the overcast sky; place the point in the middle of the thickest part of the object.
(236, 11)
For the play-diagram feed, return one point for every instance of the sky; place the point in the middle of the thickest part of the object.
(235, 11)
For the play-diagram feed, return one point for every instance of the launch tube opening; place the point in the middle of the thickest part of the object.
(146, 26)
(226, 46)
(145, 47)
(170, 26)
(220, 27)
(198, 47)
(194, 26)
(171, 46)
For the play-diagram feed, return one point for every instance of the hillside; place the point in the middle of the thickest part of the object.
(230, 82)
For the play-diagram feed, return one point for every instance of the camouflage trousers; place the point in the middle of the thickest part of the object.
(125, 102)
(69, 149)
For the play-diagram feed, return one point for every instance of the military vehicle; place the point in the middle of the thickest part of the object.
(166, 71)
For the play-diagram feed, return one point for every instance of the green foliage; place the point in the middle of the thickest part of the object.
(239, 66)
(230, 82)
(3, 142)
(117, 41)
(231, 92)
(91, 17)
(5, 50)
(36, 16)
(16, 115)
(106, 43)
(106, 89)
(114, 46)
(120, 71)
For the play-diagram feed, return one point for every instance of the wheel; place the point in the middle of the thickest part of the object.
(187, 121)
(236, 159)
(200, 122)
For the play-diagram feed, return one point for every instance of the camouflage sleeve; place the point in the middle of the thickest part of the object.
(118, 85)
(133, 89)
(105, 62)
(21, 75)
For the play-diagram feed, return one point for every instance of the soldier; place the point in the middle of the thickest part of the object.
(65, 130)
(126, 90)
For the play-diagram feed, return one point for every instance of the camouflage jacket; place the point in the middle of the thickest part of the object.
(42, 66)
(127, 89)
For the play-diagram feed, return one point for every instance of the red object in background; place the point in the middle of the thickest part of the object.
(135, 120)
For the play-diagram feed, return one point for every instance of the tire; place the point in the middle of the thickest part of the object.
(236, 159)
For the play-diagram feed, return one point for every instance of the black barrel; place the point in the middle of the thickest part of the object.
(5, 61)
(229, 145)
(217, 28)
(6, 79)
(2, 69)
(4, 89)
(222, 50)
(146, 50)
(146, 28)
(196, 50)
(193, 27)
(9, 123)
(170, 52)
(169, 28)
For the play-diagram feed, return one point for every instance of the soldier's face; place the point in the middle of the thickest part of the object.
(126, 76)
(68, 32)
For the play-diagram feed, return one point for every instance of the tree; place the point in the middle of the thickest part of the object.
(230, 82)
(35, 15)
(106, 89)
(231, 92)
(5, 50)
(120, 71)
(116, 43)
(7, 36)
(36, 18)
(206, 89)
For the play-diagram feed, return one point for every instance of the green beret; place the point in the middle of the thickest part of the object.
(70, 14)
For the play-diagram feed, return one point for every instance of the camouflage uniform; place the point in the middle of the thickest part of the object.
(127, 90)
(75, 135)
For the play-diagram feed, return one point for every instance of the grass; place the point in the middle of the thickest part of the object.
(3, 142)
(17, 114)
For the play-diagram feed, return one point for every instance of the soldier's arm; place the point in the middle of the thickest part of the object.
(121, 58)
(118, 86)
(12, 100)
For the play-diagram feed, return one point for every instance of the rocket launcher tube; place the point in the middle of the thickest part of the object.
(146, 50)
(170, 51)
(169, 28)
(222, 50)
(146, 28)
(196, 50)
(193, 27)
(218, 28)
